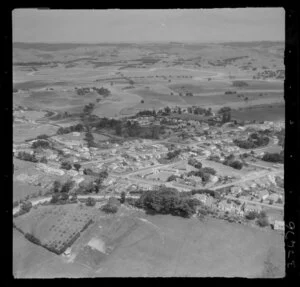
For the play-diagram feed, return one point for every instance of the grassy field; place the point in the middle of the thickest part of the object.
(37, 84)
(22, 132)
(171, 246)
(151, 95)
(134, 244)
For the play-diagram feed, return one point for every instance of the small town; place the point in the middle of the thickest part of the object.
(149, 143)
(198, 155)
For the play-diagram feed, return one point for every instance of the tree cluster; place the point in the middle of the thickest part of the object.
(274, 157)
(101, 91)
(173, 154)
(167, 201)
(239, 84)
(41, 144)
(255, 140)
(70, 129)
(27, 156)
(230, 161)
(195, 163)
(225, 112)
(66, 165)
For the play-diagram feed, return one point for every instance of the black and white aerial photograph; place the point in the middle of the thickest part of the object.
(148, 143)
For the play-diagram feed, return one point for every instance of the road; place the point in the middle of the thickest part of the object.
(147, 168)
(247, 178)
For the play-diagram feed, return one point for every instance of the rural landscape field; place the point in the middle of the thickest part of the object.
(156, 159)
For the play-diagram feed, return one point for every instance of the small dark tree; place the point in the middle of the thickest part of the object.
(44, 160)
(77, 166)
(26, 206)
(42, 137)
(54, 198)
(67, 186)
(171, 178)
(251, 215)
(123, 197)
(56, 186)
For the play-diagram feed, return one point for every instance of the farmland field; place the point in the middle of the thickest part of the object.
(262, 113)
(55, 226)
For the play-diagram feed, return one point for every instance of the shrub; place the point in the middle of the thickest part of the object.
(26, 206)
(239, 84)
(171, 178)
(77, 166)
(209, 170)
(54, 198)
(107, 208)
(66, 165)
(42, 137)
(64, 196)
(43, 160)
(262, 221)
(67, 186)
(56, 186)
(251, 215)
(32, 238)
(90, 201)
(236, 164)
(123, 197)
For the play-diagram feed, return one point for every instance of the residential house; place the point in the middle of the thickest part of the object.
(274, 197)
(252, 207)
(263, 194)
(225, 206)
(279, 225)
(236, 189)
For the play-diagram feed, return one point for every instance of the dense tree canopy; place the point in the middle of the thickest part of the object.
(166, 200)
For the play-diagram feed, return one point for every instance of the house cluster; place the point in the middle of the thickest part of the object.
(264, 188)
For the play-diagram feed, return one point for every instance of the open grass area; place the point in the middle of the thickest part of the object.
(170, 246)
(22, 132)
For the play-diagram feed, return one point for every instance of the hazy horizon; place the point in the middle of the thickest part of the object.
(149, 26)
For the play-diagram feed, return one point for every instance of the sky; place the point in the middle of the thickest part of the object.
(177, 25)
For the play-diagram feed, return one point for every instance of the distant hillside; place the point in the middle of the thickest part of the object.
(252, 44)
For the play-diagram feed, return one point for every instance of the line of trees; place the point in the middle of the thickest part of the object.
(75, 128)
